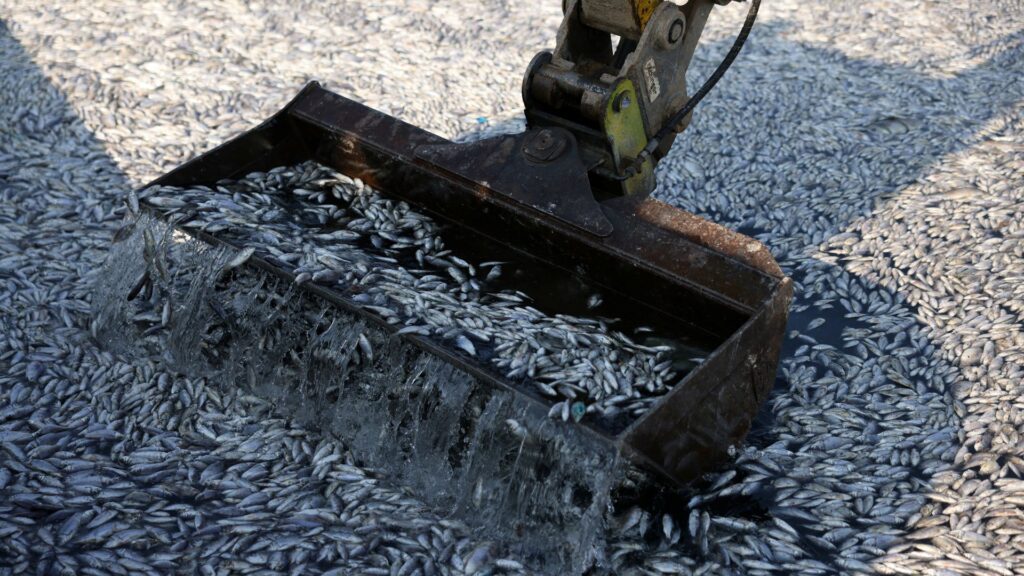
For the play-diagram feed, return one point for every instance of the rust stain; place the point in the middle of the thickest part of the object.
(710, 235)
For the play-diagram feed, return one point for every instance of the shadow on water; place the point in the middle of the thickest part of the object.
(880, 110)
(42, 140)
(870, 125)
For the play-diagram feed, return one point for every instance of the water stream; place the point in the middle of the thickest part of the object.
(482, 454)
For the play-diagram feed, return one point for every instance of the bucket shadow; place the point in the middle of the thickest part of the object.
(42, 237)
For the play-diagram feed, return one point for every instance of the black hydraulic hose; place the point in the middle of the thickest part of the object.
(677, 118)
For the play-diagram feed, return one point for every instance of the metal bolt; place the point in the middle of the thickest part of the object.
(544, 140)
(675, 32)
(544, 146)
(622, 101)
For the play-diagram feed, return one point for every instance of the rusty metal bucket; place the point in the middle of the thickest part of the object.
(665, 267)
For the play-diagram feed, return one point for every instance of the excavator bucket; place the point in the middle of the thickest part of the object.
(500, 434)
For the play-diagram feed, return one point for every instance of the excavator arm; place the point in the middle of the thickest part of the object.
(616, 78)
(603, 108)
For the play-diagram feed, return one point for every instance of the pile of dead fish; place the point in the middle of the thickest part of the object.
(191, 485)
(328, 229)
(892, 445)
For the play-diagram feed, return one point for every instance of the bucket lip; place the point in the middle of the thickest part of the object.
(711, 235)
(652, 218)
